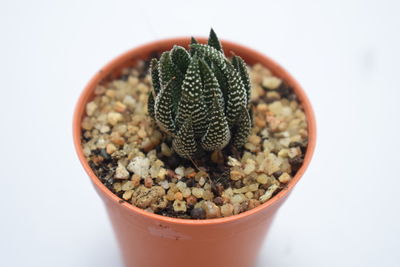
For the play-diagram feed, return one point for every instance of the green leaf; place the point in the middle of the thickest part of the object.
(191, 104)
(210, 86)
(214, 42)
(155, 75)
(236, 96)
(150, 105)
(241, 67)
(184, 142)
(193, 41)
(180, 57)
(218, 134)
(163, 111)
(241, 130)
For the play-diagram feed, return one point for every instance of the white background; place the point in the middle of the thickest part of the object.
(345, 210)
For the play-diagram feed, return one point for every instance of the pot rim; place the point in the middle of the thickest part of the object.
(273, 66)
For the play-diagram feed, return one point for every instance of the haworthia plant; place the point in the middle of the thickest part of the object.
(201, 98)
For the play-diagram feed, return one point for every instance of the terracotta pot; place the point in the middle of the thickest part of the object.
(150, 240)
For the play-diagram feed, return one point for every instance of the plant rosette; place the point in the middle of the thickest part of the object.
(191, 150)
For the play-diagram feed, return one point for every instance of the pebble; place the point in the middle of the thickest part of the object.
(127, 185)
(164, 184)
(140, 166)
(197, 192)
(178, 196)
(91, 107)
(271, 82)
(212, 210)
(180, 171)
(179, 205)
(135, 180)
(191, 200)
(114, 117)
(127, 194)
(165, 150)
(268, 193)
(110, 148)
(284, 178)
(121, 172)
(198, 213)
(227, 210)
(262, 178)
(148, 182)
(236, 175)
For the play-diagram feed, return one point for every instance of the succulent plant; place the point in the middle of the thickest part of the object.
(201, 98)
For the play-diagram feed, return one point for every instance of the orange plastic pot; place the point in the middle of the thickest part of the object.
(150, 240)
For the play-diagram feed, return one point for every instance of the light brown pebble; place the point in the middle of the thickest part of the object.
(127, 185)
(262, 178)
(117, 187)
(227, 210)
(121, 172)
(165, 150)
(197, 192)
(114, 117)
(236, 175)
(212, 210)
(178, 196)
(271, 82)
(191, 200)
(110, 148)
(253, 203)
(208, 195)
(186, 192)
(127, 194)
(179, 205)
(91, 107)
(119, 106)
(148, 182)
(135, 180)
(284, 178)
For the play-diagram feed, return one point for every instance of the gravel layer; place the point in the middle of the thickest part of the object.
(135, 160)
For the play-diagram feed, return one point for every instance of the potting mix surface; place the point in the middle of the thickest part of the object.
(135, 160)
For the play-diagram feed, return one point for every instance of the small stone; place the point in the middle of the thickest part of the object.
(121, 172)
(181, 186)
(164, 184)
(212, 210)
(271, 82)
(110, 148)
(178, 196)
(180, 171)
(262, 178)
(179, 205)
(249, 195)
(135, 180)
(254, 139)
(142, 133)
(114, 117)
(208, 195)
(250, 167)
(219, 201)
(91, 108)
(236, 175)
(165, 150)
(253, 203)
(127, 185)
(117, 187)
(284, 178)
(253, 187)
(269, 193)
(186, 192)
(202, 181)
(140, 166)
(197, 192)
(162, 173)
(127, 195)
(148, 182)
(198, 213)
(233, 162)
(119, 107)
(237, 198)
(227, 210)
(262, 107)
(294, 152)
(191, 200)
